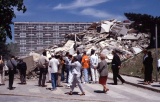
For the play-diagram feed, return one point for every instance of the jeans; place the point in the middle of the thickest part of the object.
(85, 73)
(54, 80)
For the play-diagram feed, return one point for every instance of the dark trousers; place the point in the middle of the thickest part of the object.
(67, 71)
(11, 78)
(42, 76)
(115, 71)
(23, 76)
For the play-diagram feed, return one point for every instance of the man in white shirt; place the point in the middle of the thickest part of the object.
(53, 64)
(93, 66)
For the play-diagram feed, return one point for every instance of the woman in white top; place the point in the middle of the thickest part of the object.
(76, 75)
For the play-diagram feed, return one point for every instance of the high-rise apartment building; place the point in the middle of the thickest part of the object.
(32, 36)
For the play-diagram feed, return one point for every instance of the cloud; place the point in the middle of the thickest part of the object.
(80, 4)
(100, 14)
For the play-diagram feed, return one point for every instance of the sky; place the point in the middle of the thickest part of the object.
(84, 10)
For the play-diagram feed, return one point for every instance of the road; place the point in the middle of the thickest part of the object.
(117, 93)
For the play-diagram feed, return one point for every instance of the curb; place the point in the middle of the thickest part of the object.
(141, 86)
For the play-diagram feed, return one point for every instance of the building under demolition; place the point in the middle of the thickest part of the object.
(103, 36)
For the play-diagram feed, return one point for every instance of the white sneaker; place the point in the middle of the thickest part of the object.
(84, 82)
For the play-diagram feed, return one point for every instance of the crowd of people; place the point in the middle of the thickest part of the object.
(73, 70)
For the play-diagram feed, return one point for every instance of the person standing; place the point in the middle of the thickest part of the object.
(85, 65)
(103, 72)
(61, 63)
(1, 71)
(116, 64)
(93, 66)
(76, 76)
(48, 76)
(12, 64)
(70, 76)
(22, 66)
(148, 64)
(53, 64)
(144, 57)
(66, 59)
(43, 65)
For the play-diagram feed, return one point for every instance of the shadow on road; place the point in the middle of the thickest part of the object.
(155, 85)
(98, 91)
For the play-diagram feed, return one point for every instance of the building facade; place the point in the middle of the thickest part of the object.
(33, 36)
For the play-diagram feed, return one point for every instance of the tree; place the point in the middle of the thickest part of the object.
(4, 50)
(6, 15)
(145, 23)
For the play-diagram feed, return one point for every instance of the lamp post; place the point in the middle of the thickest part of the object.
(156, 53)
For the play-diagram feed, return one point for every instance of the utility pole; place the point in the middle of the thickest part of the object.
(156, 54)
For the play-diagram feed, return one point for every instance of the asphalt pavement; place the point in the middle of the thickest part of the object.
(139, 82)
(31, 89)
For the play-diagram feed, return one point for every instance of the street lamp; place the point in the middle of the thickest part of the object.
(156, 53)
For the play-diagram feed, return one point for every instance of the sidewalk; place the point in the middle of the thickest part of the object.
(155, 86)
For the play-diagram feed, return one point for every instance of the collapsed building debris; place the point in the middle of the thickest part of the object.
(104, 36)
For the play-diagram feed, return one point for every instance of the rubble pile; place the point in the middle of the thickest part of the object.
(104, 36)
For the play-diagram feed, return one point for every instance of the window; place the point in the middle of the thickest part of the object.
(56, 34)
(39, 42)
(71, 27)
(31, 27)
(85, 27)
(55, 27)
(22, 35)
(47, 34)
(39, 27)
(39, 35)
(31, 41)
(22, 41)
(31, 34)
(47, 27)
(47, 41)
(39, 48)
(22, 27)
(22, 49)
(56, 41)
(30, 49)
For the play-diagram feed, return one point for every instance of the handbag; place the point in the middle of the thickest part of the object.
(14, 68)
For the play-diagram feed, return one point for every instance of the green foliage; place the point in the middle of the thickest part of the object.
(3, 50)
(7, 14)
(6, 50)
(145, 23)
